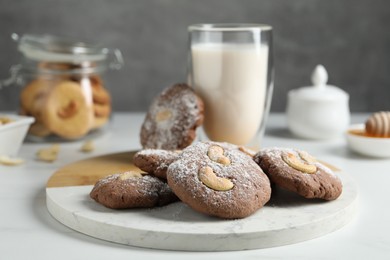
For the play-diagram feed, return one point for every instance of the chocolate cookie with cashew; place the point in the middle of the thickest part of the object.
(219, 180)
(132, 190)
(299, 172)
(172, 119)
(155, 161)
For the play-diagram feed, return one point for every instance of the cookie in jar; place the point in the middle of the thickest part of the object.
(63, 86)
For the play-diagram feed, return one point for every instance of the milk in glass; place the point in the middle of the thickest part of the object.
(232, 81)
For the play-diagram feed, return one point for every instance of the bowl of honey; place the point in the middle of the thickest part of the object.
(372, 138)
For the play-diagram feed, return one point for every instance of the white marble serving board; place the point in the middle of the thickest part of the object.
(286, 219)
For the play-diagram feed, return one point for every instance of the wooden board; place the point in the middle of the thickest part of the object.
(87, 172)
(287, 218)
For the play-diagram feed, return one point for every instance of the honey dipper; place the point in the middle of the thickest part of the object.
(378, 124)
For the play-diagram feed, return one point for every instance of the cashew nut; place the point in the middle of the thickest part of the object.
(130, 174)
(207, 177)
(49, 154)
(88, 146)
(307, 157)
(247, 151)
(163, 115)
(5, 120)
(68, 111)
(215, 153)
(296, 163)
(9, 161)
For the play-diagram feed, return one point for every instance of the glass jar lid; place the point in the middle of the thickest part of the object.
(54, 49)
(84, 58)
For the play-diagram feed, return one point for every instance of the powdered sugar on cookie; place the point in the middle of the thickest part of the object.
(172, 119)
(250, 191)
(296, 174)
(155, 161)
(132, 190)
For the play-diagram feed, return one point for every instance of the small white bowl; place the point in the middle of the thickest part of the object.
(12, 134)
(370, 146)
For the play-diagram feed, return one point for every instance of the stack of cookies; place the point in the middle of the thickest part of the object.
(65, 104)
(218, 179)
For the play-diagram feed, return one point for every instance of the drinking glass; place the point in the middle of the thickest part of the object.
(231, 69)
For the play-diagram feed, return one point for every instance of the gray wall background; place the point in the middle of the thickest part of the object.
(350, 38)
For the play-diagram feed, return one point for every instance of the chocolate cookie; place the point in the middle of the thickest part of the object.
(132, 190)
(172, 119)
(299, 172)
(219, 180)
(155, 161)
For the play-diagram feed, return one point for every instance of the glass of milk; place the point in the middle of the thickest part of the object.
(231, 69)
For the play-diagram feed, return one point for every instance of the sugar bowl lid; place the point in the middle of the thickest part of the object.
(320, 90)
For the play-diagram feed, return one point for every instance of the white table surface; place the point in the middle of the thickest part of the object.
(27, 231)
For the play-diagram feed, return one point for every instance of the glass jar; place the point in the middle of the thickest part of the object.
(63, 86)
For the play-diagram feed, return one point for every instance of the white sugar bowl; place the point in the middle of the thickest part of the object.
(320, 111)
